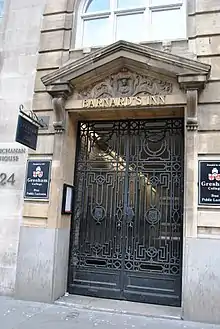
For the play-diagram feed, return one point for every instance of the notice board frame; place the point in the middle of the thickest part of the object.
(38, 162)
(206, 177)
(67, 199)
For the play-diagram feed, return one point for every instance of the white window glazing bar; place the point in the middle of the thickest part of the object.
(165, 7)
(96, 15)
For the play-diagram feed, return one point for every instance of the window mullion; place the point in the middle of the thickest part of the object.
(184, 14)
(113, 20)
(148, 21)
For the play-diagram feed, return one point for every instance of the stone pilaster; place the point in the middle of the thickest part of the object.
(62, 127)
(191, 158)
(191, 111)
(190, 182)
(192, 84)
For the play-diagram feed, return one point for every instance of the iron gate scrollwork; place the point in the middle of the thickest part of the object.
(126, 237)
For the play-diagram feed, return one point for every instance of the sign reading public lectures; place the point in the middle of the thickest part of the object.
(209, 183)
(37, 179)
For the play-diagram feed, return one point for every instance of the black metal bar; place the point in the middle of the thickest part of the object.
(37, 122)
(126, 205)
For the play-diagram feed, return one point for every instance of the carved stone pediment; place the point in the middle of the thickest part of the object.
(146, 77)
(126, 84)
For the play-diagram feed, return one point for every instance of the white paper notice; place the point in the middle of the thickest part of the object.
(68, 204)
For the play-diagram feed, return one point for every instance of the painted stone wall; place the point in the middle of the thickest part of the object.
(19, 42)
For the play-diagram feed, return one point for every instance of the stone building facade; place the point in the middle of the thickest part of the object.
(167, 93)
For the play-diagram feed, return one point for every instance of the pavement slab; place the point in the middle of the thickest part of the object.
(15, 314)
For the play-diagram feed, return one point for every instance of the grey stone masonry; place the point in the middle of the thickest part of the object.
(19, 42)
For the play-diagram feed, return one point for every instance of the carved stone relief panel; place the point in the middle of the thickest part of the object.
(126, 84)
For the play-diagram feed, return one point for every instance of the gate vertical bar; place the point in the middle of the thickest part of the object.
(125, 210)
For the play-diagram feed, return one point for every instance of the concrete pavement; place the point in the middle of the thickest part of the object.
(16, 314)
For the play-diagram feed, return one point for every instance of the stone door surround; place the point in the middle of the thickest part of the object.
(124, 70)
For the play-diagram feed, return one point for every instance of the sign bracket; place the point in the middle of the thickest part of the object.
(32, 116)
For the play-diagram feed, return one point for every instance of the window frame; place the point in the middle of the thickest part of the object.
(181, 5)
(2, 12)
(114, 12)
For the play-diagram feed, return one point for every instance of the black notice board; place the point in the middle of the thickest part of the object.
(209, 183)
(37, 181)
(26, 133)
(67, 202)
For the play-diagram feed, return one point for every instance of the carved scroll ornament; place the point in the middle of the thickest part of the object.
(127, 84)
(58, 103)
(192, 110)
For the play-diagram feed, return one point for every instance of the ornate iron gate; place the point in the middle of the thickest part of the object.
(126, 237)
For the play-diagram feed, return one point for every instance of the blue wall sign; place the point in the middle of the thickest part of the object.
(37, 179)
(209, 183)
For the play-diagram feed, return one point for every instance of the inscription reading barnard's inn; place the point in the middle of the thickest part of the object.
(126, 89)
(124, 101)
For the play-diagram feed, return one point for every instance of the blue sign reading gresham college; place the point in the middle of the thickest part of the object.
(37, 179)
(209, 183)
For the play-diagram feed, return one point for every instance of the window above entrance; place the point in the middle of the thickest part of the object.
(1, 8)
(102, 22)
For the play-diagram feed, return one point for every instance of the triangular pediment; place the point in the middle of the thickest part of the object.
(122, 56)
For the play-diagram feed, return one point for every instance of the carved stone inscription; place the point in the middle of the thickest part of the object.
(126, 84)
(124, 101)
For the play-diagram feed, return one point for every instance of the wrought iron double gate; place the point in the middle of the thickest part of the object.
(126, 237)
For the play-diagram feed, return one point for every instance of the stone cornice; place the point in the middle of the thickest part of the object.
(174, 65)
(192, 81)
(63, 90)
